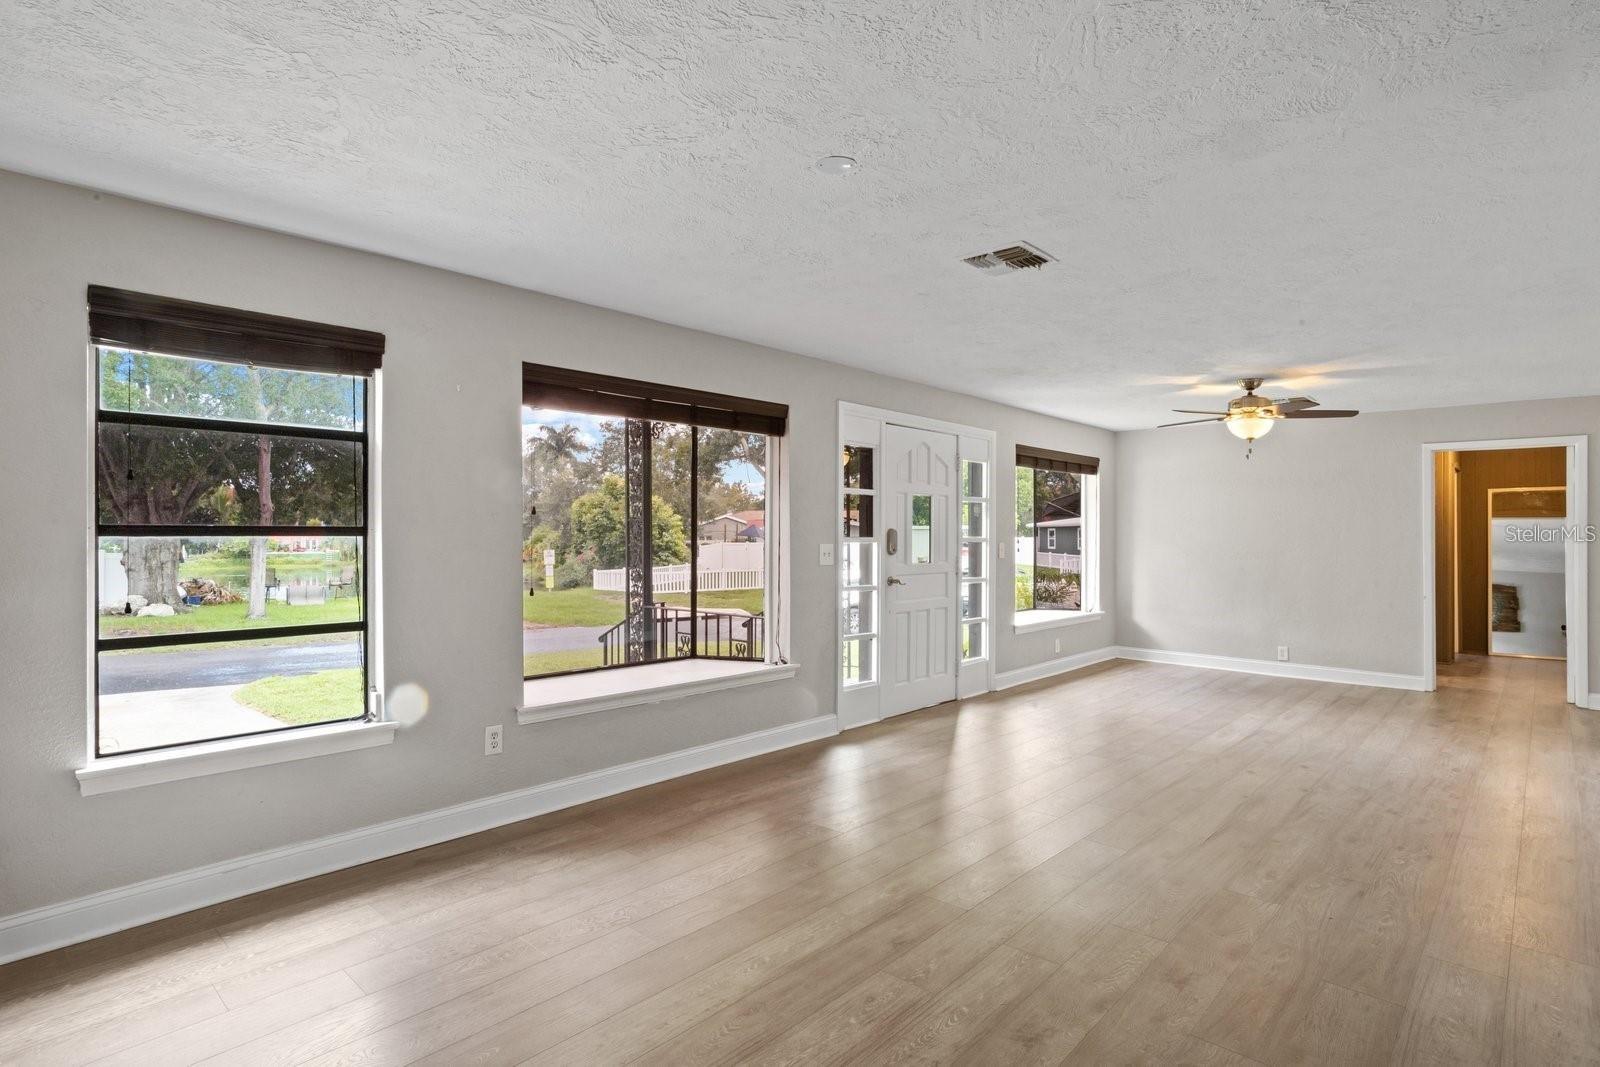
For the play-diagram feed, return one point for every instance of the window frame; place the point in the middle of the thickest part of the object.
(978, 546)
(188, 330)
(864, 642)
(607, 396)
(1087, 468)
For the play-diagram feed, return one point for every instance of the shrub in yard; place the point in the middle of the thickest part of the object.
(576, 571)
(233, 548)
(1024, 589)
(1055, 589)
(1048, 588)
(541, 538)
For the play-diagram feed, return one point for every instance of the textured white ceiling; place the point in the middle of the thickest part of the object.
(1397, 201)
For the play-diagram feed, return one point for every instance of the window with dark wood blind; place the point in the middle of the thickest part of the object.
(647, 535)
(1054, 529)
(231, 489)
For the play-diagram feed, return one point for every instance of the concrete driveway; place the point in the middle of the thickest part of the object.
(130, 721)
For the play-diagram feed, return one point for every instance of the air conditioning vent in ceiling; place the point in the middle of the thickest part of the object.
(1020, 256)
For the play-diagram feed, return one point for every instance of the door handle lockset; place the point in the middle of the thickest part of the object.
(891, 541)
(896, 581)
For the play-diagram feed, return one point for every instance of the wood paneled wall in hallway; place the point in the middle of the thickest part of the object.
(1481, 472)
(1446, 630)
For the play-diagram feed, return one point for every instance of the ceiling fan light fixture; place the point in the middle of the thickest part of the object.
(1249, 426)
(1250, 417)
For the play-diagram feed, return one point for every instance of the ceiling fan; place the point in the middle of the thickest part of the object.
(1250, 416)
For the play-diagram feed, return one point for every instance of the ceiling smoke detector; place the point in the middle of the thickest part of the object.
(1020, 256)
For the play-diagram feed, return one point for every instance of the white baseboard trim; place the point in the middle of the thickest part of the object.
(1052, 667)
(42, 929)
(1304, 671)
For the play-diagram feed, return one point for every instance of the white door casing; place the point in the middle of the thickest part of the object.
(1577, 561)
(919, 660)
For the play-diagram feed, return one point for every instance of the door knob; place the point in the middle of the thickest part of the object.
(896, 581)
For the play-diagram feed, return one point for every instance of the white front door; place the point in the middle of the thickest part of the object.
(919, 501)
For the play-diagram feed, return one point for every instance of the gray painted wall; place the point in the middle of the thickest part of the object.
(451, 475)
(1315, 542)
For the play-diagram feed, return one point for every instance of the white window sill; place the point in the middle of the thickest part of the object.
(113, 773)
(564, 696)
(1024, 622)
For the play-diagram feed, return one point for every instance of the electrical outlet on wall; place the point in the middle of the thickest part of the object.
(1283, 653)
(492, 740)
(825, 555)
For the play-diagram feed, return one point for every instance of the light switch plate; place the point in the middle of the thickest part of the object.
(825, 555)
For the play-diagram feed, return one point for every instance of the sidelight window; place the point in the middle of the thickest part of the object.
(859, 566)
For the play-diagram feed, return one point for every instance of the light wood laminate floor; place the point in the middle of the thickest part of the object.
(1133, 864)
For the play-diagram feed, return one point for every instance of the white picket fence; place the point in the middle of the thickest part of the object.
(1062, 561)
(724, 565)
(674, 578)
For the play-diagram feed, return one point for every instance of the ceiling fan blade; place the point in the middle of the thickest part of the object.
(1192, 411)
(1190, 422)
(1295, 403)
(1321, 413)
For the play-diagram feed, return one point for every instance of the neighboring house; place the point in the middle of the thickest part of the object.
(721, 528)
(1060, 535)
(1059, 529)
(735, 526)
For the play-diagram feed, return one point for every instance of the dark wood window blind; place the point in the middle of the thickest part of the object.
(120, 318)
(603, 394)
(1046, 459)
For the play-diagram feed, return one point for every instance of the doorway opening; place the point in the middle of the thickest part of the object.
(1507, 548)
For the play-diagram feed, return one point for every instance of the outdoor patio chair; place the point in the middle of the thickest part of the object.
(342, 585)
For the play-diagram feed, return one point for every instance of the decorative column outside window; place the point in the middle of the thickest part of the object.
(641, 630)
